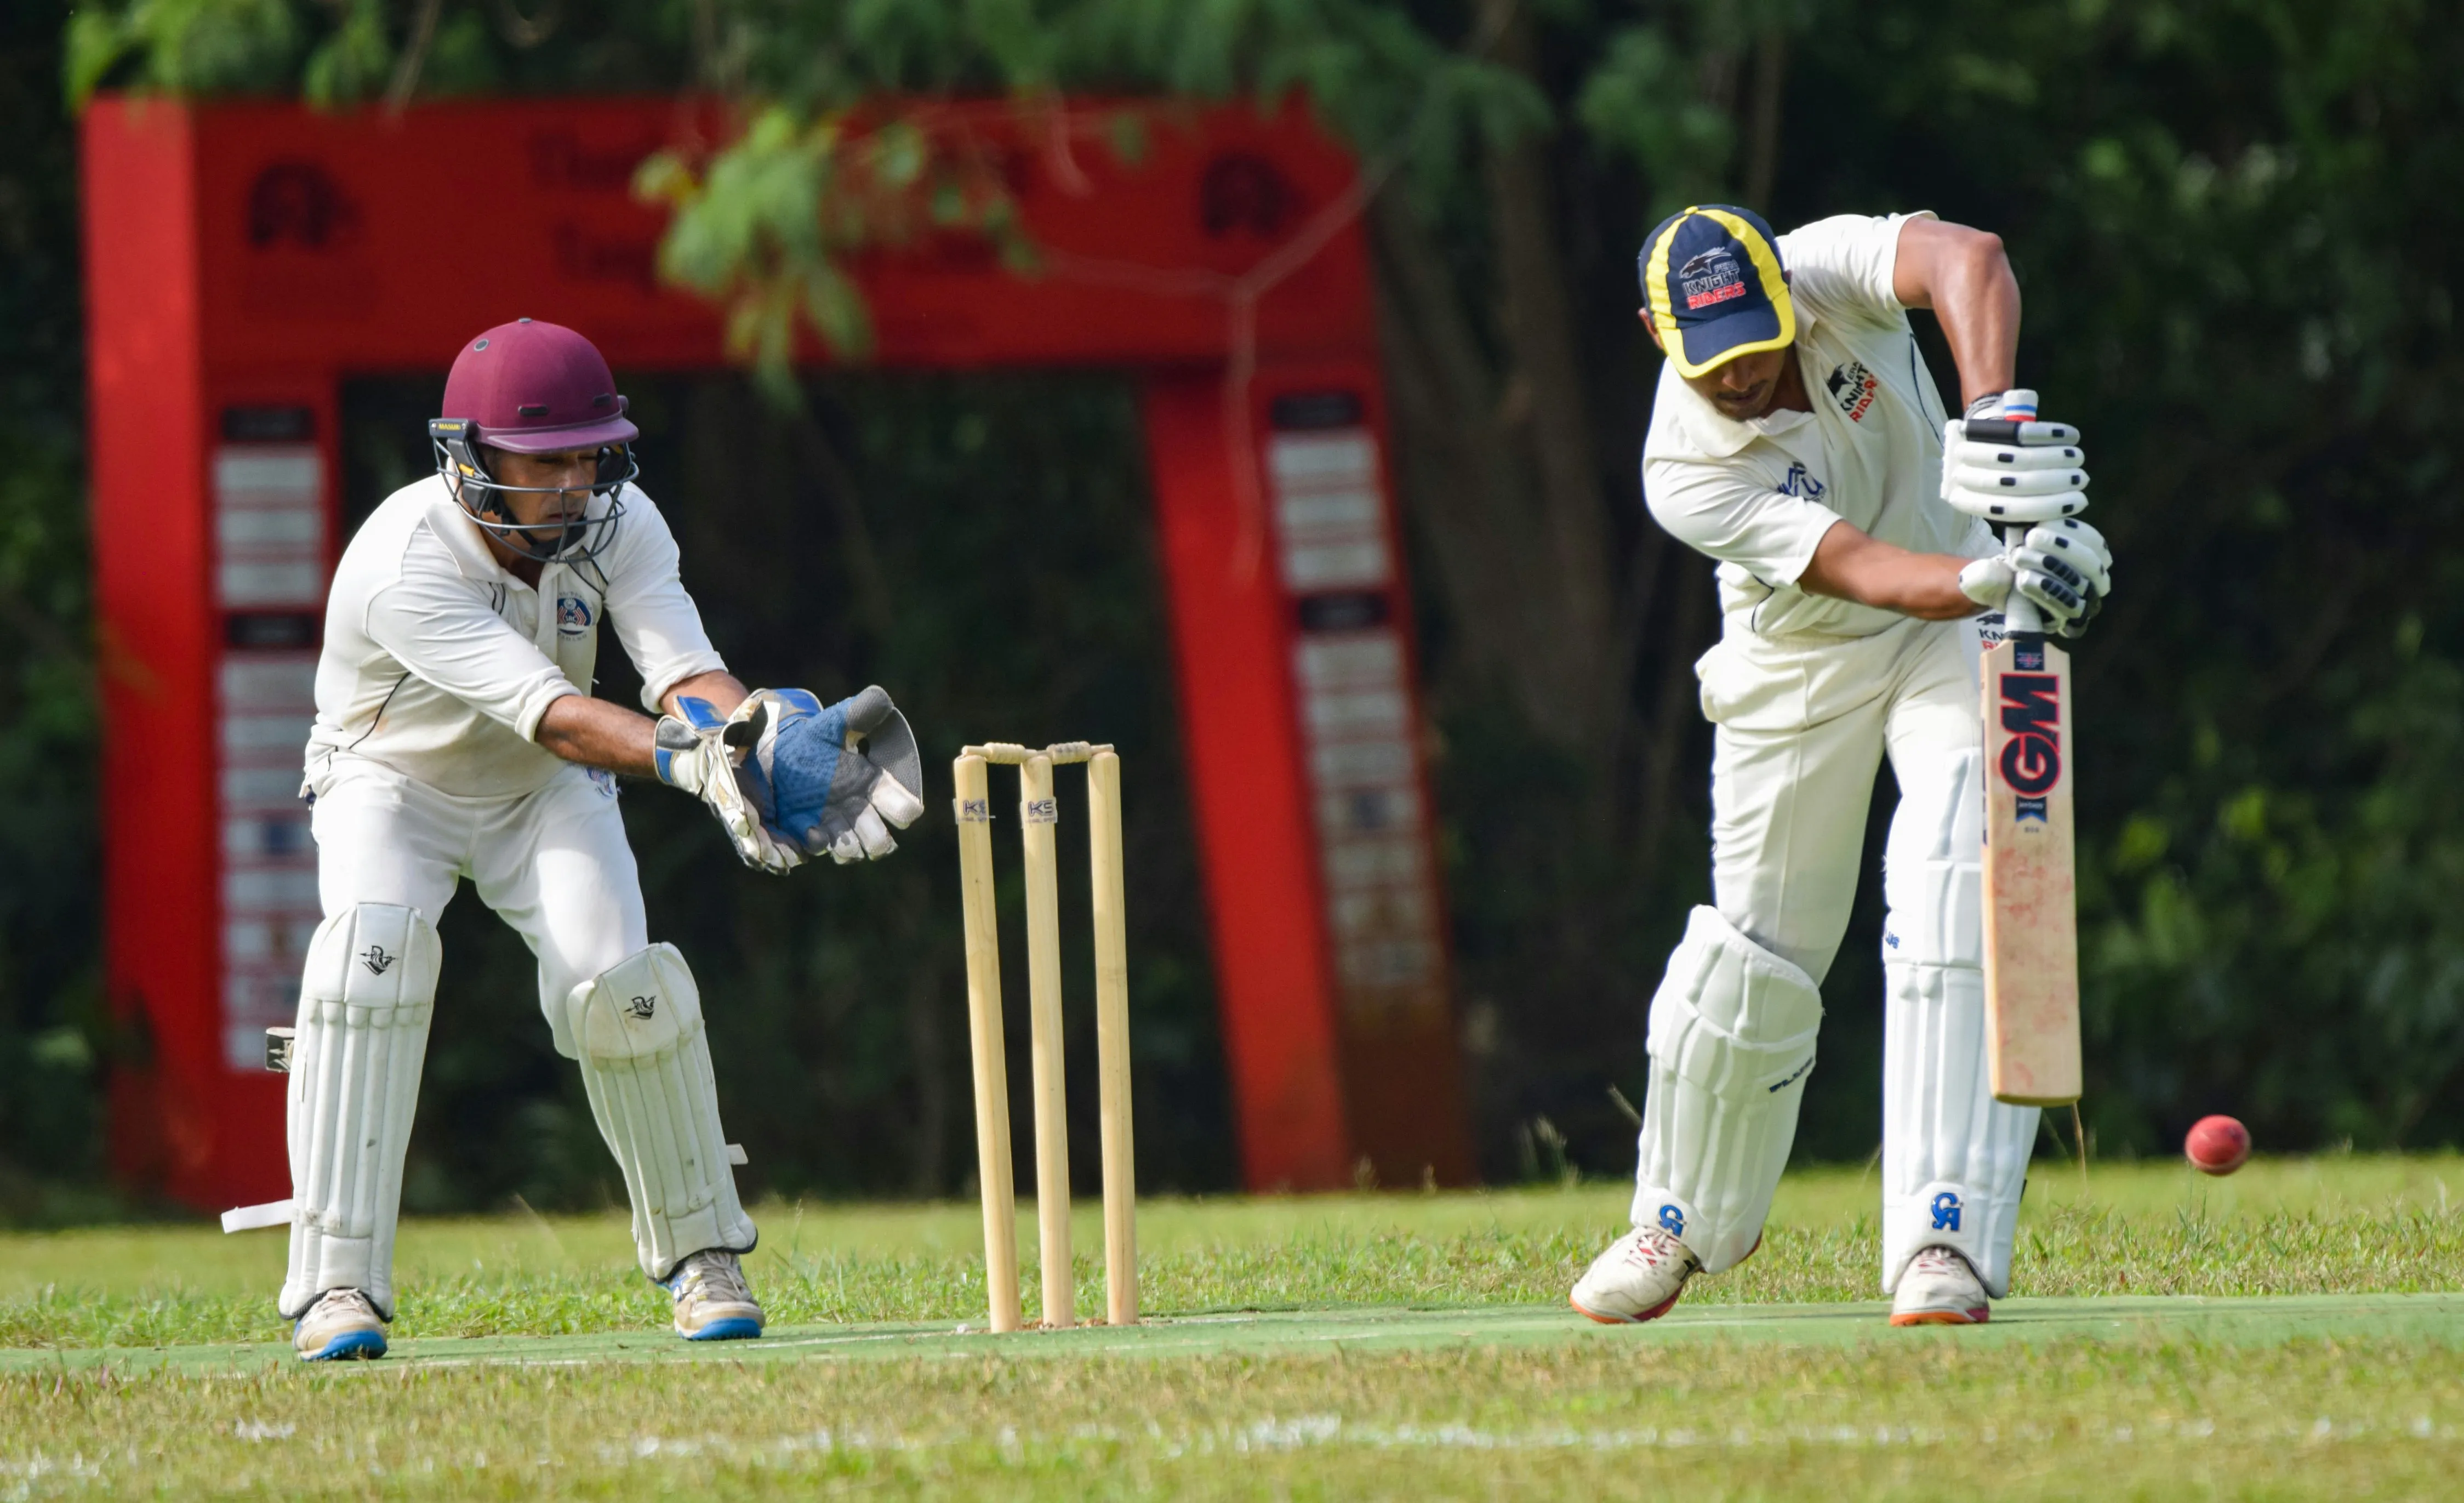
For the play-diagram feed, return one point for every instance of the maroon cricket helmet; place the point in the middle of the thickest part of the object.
(536, 388)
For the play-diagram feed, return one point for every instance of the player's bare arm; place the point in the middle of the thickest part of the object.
(1963, 276)
(598, 734)
(1850, 566)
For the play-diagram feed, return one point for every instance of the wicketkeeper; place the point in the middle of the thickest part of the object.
(456, 739)
(1799, 438)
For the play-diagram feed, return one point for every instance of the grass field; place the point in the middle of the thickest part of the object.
(1386, 1345)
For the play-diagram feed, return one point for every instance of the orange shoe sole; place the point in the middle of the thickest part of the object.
(1653, 1314)
(1945, 1317)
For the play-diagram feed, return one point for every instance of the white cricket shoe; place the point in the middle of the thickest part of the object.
(343, 1323)
(713, 1301)
(1636, 1279)
(1940, 1289)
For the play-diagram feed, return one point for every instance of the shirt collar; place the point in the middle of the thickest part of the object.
(463, 540)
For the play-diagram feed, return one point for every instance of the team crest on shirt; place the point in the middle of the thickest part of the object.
(572, 615)
(1853, 389)
(1800, 481)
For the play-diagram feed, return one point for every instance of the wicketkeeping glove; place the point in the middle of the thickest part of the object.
(702, 752)
(835, 779)
(2011, 473)
(2062, 566)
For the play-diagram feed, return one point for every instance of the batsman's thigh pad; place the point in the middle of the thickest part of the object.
(645, 1064)
(1732, 1040)
(364, 1004)
(1954, 1160)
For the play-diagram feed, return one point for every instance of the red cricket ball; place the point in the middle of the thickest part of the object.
(2217, 1146)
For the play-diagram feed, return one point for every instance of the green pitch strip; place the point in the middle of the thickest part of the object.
(2430, 1318)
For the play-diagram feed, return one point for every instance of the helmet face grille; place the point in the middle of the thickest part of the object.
(582, 539)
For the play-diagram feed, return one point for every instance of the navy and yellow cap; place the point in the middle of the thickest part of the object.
(1715, 288)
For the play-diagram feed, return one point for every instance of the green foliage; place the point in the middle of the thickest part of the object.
(354, 62)
(769, 225)
(768, 228)
(182, 46)
(1640, 106)
(53, 1042)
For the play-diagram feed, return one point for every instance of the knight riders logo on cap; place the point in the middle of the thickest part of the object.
(1715, 287)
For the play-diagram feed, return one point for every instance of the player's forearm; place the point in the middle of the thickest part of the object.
(723, 690)
(1964, 275)
(1850, 566)
(596, 734)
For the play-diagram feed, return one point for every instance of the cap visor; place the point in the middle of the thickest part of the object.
(1708, 347)
(595, 433)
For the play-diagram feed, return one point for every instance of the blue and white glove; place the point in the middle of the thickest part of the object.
(703, 752)
(835, 779)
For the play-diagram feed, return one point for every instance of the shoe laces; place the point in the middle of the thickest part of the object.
(343, 1301)
(1939, 1260)
(1652, 1247)
(713, 1276)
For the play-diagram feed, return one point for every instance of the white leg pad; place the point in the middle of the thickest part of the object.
(1954, 1160)
(1732, 1042)
(364, 1004)
(645, 1064)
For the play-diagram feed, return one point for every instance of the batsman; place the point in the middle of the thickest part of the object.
(456, 739)
(1868, 546)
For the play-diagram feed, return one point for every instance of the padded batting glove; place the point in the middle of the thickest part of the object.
(2011, 472)
(2062, 566)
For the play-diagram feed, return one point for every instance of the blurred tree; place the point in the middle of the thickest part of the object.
(2235, 226)
(52, 1036)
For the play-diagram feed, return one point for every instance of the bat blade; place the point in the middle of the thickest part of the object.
(2031, 1023)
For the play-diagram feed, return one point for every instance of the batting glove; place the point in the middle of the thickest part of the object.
(2061, 565)
(2011, 473)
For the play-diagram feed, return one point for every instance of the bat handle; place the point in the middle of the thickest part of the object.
(2020, 616)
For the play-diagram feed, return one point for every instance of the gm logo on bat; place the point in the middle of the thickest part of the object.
(2031, 711)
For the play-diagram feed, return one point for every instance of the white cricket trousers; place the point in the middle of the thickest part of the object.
(552, 864)
(1802, 726)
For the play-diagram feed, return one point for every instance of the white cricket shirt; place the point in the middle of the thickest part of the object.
(439, 661)
(1758, 495)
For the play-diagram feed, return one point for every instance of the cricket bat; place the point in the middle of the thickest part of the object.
(2031, 1023)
